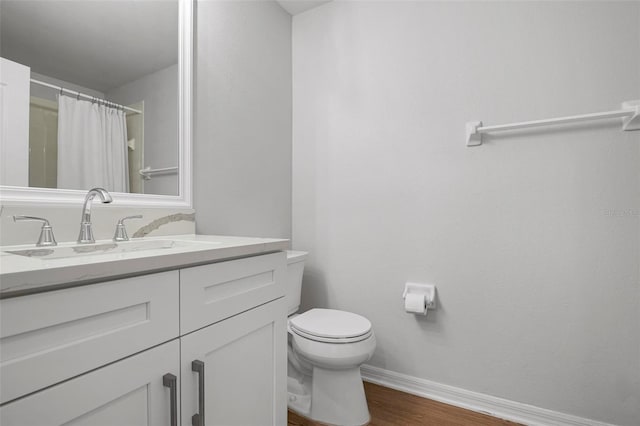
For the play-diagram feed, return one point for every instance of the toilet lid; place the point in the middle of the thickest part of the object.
(330, 324)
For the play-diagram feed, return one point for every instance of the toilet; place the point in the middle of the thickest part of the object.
(325, 350)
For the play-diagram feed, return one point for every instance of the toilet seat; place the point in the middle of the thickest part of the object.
(331, 326)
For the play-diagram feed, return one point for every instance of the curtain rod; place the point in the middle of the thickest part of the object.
(82, 95)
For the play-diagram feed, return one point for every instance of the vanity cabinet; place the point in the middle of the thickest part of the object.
(103, 354)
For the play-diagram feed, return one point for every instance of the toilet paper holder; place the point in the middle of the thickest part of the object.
(428, 290)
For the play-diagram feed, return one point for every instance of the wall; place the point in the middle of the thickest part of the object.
(159, 92)
(242, 149)
(531, 239)
(43, 143)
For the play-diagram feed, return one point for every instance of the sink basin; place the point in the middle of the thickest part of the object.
(67, 252)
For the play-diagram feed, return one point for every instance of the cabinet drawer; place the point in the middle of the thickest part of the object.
(210, 293)
(49, 337)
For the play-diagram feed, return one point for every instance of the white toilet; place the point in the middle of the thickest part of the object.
(326, 349)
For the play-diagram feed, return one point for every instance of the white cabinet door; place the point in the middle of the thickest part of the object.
(127, 393)
(245, 363)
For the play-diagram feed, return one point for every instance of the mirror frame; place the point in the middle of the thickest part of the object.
(15, 195)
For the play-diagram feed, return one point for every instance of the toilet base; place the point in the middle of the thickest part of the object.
(299, 396)
(338, 397)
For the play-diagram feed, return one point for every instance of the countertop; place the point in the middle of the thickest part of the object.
(22, 275)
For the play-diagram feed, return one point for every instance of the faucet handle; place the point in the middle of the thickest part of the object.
(46, 233)
(121, 231)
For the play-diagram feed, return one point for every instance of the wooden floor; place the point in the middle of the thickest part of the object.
(391, 407)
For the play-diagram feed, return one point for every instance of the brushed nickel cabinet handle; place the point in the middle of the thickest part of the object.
(171, 381)
(198, 418)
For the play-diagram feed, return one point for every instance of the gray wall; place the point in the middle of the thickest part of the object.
(159, 91)
(242, 149)
(532, 239)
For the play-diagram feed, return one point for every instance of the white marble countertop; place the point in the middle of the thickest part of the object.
(21, 275)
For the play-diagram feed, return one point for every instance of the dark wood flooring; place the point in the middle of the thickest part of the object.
(389, 407)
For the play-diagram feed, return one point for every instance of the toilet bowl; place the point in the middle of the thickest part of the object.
(325, 350)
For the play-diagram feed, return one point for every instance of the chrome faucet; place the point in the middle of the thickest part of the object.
(86, 233)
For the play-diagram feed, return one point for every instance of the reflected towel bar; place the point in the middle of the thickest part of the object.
(630, 114)
(147, 173)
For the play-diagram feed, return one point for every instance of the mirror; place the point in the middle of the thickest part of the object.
(108, 100)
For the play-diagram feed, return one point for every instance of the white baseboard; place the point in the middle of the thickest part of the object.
(474, 401)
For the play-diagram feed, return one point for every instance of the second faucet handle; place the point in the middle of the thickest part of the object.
(46, 233)
(121, 231)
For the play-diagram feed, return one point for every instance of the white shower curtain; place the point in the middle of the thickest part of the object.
(92, 146)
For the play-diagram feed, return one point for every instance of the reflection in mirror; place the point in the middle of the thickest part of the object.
(93, 87)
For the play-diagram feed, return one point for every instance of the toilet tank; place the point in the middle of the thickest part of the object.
(295, 267)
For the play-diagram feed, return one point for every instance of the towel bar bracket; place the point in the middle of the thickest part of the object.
(632, 122)
(474, 138)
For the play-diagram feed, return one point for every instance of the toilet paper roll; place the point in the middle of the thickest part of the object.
(415, 304)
